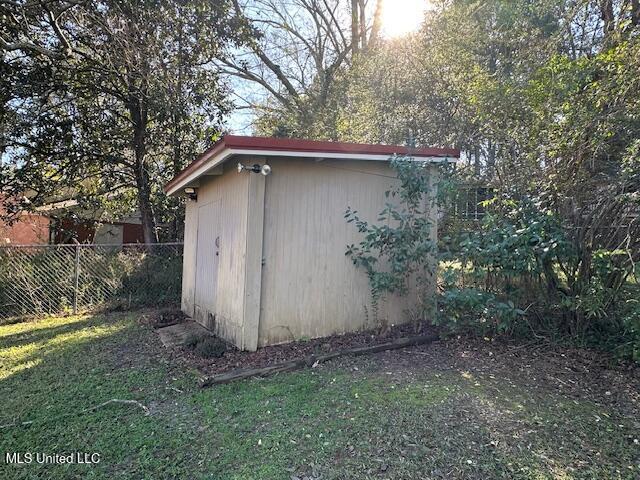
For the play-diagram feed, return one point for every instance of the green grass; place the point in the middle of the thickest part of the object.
(353, 419)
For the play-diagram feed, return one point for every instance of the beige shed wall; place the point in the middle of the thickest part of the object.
(189, 257)
(231, 190)
(309, 287)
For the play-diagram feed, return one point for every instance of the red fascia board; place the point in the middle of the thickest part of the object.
(307, 146)
(214, 149)
(297, 145)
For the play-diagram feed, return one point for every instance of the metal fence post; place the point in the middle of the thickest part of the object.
(76, 279)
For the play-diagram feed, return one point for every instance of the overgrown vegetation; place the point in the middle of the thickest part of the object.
(521, 272)
(42, 280)
(524, 269)
(455, 413)
(399, 248)
(542, 99)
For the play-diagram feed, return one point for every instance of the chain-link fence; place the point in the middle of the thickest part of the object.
(53, 279)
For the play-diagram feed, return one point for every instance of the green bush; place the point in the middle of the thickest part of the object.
(211, 347)
(475, 310)
(630, 344)
(522, 270)
(151, 278)
(193, 339)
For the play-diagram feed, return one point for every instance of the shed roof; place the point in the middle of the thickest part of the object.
(231, 145)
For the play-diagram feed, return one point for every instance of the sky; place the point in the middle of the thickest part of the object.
(399, 18)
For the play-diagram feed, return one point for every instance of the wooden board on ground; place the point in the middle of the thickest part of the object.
(313, 360)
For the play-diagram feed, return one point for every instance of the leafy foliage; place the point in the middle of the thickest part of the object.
(542, 98)
(629, 346)
(522, 270)
(505, 262)
(115, 105)
(399, 249)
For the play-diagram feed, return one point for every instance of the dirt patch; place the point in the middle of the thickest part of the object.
(267, 356)
(539, 367)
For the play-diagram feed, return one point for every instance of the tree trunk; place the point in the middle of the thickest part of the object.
(635, 12)
(491, 160)
(608, 17)
(363, 26)
(177, 117)
(177, 109)
(144, 203)
(139, 118)
(374, 36)
(355, 27)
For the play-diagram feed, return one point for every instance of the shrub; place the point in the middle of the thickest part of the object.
(193, 339)
(475, 310)
(491, 275)
(630, 345)
(211, 347)
(523, 259)
(400, 246)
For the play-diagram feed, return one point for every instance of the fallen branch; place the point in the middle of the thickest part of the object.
(86, 410)
(313, 360)
(115, 400)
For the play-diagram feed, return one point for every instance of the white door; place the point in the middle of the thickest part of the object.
(207, 259)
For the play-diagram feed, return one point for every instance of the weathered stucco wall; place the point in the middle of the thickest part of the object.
(309, 287)
(231, 191)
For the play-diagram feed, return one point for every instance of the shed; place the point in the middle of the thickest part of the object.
(264, 255)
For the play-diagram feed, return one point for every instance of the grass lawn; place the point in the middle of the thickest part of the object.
(439, 411)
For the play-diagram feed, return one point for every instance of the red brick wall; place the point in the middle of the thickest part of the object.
(67, 230)
(132, 233)
(29, 229)
(84, 231)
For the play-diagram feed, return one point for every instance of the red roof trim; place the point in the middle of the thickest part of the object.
(306, 146)
(200, 159)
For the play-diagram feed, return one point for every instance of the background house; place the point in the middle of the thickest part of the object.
(28, 229)
(61, 222)
(264, 255)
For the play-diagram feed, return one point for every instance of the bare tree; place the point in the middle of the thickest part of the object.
(300, 48)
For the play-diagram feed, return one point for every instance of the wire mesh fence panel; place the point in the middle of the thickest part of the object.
(35, 280)
(53, 279)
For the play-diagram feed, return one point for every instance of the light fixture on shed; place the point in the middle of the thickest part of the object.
(255, 168)
(265, 170)
(191, 193)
